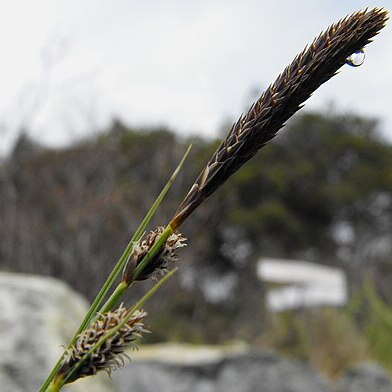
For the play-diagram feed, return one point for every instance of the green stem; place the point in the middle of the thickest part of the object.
(113, 299)
(128, 250)
(53, 387)
(116, 270)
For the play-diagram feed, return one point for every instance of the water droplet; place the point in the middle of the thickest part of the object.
(356, 59)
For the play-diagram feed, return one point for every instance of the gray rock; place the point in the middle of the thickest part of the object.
(365, 377)
(37, 316)
(267, 372)
(250, 371)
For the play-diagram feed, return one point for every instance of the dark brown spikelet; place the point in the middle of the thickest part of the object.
(309, 70)
(110, 355)
(160, 262)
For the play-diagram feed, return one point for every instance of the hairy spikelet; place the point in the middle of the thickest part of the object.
(110, 355)
(309, 70)
(160, 262)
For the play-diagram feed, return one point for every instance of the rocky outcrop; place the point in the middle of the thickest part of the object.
(218, 371)
(365, 377)
(182, 368)
(37, 316)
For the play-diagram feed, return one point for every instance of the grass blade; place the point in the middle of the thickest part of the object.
(95, 306)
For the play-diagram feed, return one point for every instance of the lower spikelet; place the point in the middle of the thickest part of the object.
(110, 355)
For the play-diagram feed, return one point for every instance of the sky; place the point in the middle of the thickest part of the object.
(68, 67)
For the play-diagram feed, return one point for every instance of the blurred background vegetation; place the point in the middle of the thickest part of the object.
(321, 192)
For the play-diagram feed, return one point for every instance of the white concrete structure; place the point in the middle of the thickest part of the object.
(303, 284)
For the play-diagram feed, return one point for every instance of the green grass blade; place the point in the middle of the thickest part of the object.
(124, 257)
(161, 196)
(128, 250)
(118, 267)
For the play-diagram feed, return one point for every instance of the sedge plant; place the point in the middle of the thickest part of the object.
(109, 328)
